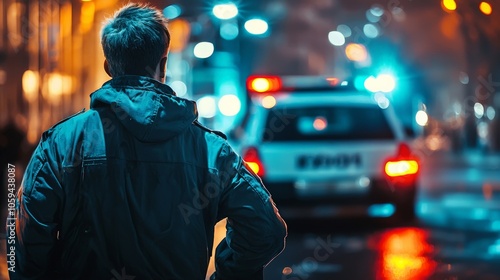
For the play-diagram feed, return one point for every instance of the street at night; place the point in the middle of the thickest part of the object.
(374, 126)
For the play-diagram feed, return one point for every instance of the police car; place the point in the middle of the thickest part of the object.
(324, 149)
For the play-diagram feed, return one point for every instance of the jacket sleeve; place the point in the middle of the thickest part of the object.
(255, 232)
(37, 205)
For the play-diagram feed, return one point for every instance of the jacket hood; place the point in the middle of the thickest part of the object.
(147, 108)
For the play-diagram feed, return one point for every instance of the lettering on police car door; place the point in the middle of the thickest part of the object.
(327, 161)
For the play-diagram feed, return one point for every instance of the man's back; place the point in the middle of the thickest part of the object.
(135, 188)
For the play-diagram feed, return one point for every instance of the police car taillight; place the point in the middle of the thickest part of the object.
(252, 160)
(403, 164)
(401, 168)
(262, 84)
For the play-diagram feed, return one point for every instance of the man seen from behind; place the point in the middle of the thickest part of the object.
(132, 188)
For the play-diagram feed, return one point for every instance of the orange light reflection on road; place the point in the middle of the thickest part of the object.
(405, 255)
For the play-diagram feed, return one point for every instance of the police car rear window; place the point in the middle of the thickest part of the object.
(327, 123)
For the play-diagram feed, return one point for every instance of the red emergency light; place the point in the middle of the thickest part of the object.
(263, 84)
(259, 84)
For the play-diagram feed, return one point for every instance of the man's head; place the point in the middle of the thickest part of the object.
(135, 42)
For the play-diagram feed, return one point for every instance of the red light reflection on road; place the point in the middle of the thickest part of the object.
(404, 255)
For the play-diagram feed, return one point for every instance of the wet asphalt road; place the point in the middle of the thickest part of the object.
(368, 251)
(456, 235)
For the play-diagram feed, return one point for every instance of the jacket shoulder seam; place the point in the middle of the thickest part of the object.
(68, 118)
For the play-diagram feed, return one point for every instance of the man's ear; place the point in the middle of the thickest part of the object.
(106, 68)
(163, 66)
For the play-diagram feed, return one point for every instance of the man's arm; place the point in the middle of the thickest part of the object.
(255, 231)
(37, 206)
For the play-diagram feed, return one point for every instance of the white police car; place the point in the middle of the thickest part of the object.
(324, 149)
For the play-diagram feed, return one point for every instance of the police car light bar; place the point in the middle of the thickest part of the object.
(268, 84)
(262, 84)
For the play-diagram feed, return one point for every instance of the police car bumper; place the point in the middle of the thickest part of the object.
(315, 199)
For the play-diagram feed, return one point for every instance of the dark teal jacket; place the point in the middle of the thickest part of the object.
(132, 189)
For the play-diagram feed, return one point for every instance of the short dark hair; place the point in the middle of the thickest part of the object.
(134, 40)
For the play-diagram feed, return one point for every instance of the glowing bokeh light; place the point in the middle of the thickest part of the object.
(319, 123)
(172, 11)
(225, 11)
(203, 50)
(421, 118)
(336, 38)
(229, 105)
(386, 82)
(370, 30)
(268, 102)
(179, 88)
(382, 101)
(30, 82)
(478, 110)
(256, 26)
(382, 83)
(229, 30)
(449, 5)
(490, 113)
(485, 8)
(356, 52)
(206, 107)
(345, 30)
